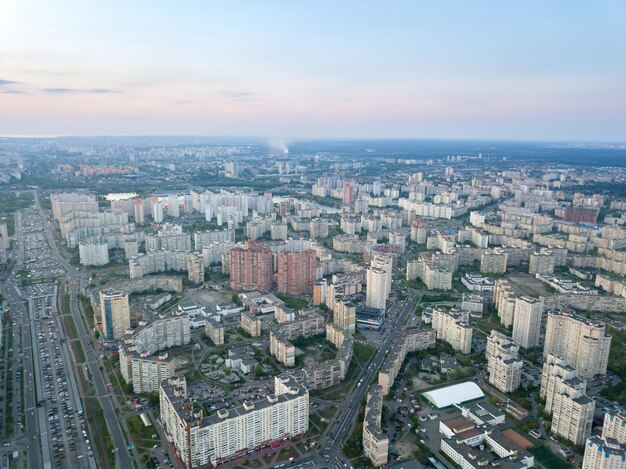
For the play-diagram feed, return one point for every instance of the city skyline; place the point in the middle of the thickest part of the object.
(408, 70)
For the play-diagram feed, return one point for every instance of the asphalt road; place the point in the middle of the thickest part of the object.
(74, 277)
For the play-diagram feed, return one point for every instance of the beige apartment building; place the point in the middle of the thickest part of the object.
(503, 364)
(251, 324)
(344, 315)
(564, 391)
(581, 343)
(375, 442)
(452, 327)
(214, 330)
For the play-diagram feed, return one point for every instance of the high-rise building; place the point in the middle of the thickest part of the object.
(376, 292)
(251, 267)
(453, 327)
(493, 262)
(131, 247)
(348, 193)
(572, 410)
(541, 263)
(115, 313)
(139, 212)
(94, 251)
(344, 315)
(607, 451)
(581, 343)
(527, 321)
(504, 300)
(503, 364)
(157, 211)
(173, 206)
(65, 202)
(208, 440)
(296, 272)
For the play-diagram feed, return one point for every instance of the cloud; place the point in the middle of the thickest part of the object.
(7, 82)
(78, 90)
(11, 92)
(238, 94)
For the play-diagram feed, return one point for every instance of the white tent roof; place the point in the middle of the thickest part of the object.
(455, 394)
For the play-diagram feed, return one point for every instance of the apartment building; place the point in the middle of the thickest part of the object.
(407, 341)
(64, 202)
(503, 365)
(169, 238)
(296, 272)
(283, 350)
(582, 343)
(344, 314)
(94, 251)
(527, 321)
(214, 330)
(202, 440)
(251, 324)
(493, 262)
(305, 324)
(115, 314)
(375, 442)
(607, 451)
(251, 267)
(541, 263)
(333, 371)
(138, 364)
(504, 300)
(452, 326)
(145, 372)
(564, 391)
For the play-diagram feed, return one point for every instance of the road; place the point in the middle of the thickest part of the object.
(29, 440)
(74, 278)
(329, 449)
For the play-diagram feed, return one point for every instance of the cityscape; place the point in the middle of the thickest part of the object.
(325, 235)
(245, 306)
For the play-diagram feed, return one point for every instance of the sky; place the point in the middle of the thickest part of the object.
(532, 70)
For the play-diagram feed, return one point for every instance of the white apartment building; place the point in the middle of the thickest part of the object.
(145, 372)
(452, 327)
(607, 451)
(527, 321)
(202, 440)
(503, 364)
(94, 251)
(572, 410)
(581, 343)
(137, 362)
(376, 291)
(504, 299)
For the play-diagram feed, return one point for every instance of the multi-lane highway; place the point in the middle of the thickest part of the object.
(74, 278)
